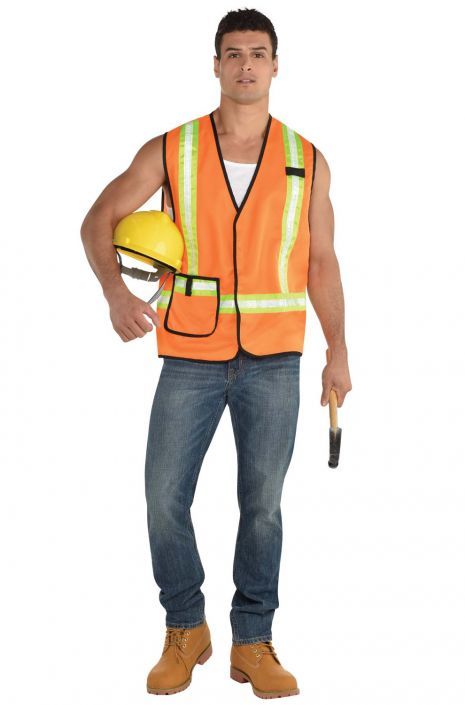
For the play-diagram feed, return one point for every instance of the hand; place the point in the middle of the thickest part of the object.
(127, 315)
(336, 376)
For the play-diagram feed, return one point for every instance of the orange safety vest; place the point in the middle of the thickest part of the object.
(244, 274)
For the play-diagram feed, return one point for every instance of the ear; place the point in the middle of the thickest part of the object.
(216, 66)
(275, 65)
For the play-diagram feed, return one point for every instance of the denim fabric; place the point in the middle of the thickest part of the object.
(263, 397)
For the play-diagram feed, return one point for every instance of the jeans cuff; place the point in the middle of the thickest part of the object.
(185, 625)
(252, 640)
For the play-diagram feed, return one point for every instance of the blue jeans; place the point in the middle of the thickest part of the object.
(263, 399)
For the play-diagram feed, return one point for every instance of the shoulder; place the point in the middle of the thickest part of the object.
(295, 142)
(292, 133)
(190, 124)
(322, 173)
(149, 155)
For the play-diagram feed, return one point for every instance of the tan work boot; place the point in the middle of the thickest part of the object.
(182, 650)
(259, 665)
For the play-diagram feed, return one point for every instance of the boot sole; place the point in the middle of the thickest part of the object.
(241, 677)
(204, 656)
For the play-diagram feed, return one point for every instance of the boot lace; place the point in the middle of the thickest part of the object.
(261, 648)
(177, 637)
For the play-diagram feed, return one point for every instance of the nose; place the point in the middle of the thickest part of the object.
(246, 66)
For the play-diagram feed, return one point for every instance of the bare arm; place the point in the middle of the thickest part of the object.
(125, 194)
(324, 283)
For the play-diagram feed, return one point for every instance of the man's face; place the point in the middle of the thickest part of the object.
(245, 55)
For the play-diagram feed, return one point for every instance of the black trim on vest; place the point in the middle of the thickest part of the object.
(216, 362)
(225, 173)
(295, 171)
(167, 179)
(239, 211)
(314, 165)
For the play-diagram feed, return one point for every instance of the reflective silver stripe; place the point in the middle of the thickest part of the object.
(197, 286)
(271, 303)
(293, 206)
(227, 305)
(249, 303)
(187, 187)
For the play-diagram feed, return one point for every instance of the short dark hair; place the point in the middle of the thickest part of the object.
(242, 20)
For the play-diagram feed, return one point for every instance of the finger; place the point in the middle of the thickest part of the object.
(144, 323)
(128, 333)
(136, 329)
(325, 389)
(341, 397)
(154, 316)
(151, 313)
(325, 395)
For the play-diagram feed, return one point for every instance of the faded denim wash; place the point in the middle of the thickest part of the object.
(263, 399)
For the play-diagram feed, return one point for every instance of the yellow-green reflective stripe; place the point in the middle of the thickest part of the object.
(293, 205)
(187, 187)
(250, 303)
(271, 303)
(199, 287)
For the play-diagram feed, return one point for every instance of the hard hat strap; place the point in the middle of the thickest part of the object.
(141, 273)
(146, 275)
(158, 292)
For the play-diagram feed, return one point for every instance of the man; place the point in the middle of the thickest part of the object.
(245, 191)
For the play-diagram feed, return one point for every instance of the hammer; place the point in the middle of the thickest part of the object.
(334, 431)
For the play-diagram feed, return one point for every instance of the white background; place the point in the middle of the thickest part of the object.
(372, 577)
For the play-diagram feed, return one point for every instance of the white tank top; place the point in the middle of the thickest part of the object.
(239, 175)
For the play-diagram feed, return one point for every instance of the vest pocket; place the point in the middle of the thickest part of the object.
(193, 306)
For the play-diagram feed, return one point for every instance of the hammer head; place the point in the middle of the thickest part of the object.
(334, 446)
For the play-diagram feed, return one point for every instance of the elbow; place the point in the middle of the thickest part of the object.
(86, 226)
(321, 267)
(96, 219)
(320, 263)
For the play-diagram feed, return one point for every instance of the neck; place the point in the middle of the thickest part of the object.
(242, 122)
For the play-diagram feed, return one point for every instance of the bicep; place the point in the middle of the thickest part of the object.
(321, 214)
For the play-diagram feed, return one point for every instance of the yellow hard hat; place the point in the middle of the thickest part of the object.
(150, 237)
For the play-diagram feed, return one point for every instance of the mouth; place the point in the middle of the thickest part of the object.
(245, 81)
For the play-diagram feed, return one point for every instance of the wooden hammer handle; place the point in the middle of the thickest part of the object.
(332, 400)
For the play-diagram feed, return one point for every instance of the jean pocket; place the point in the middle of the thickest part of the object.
(194, 305)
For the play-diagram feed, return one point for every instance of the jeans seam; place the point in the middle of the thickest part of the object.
(237, 436)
